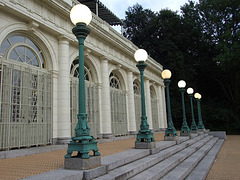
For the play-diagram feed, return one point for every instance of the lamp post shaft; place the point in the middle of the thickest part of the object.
(82, 103)
(185, 129)
(167, 82)
(200, 123)
(142, 94)
(183, 105)
(170, 131)
(193, 125)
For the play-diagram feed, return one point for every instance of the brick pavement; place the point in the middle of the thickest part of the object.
(227, 164)
(21, 167)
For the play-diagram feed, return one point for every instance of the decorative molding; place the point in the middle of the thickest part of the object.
(33, 26)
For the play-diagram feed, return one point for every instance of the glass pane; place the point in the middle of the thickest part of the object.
(35, 62)
(29, 53)
(13, 55)
(30, 43)
(17, 39)
(20, 51)
(4, 46)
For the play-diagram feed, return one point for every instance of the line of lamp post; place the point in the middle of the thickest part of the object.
(185, 130)
(83, 143)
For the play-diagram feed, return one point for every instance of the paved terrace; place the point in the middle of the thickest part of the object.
(43, 159)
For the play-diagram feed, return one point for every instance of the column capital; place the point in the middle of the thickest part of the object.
(104, 59)
(63, 39)
(33, 26)
(54, 73)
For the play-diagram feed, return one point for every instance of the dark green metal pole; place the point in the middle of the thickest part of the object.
(194, 127)
(144, 134)
(83, 142)
(170, 131)
(200, 123)
(184, 129)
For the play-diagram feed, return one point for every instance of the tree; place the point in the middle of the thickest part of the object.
(202, 46)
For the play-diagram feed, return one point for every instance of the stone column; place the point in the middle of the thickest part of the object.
(63, 92)
(105, 105)
(148, 103)
(55, 105)
(131, 105)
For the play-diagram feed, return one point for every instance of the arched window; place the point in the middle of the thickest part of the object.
(136, 88)
(22, 49)
(75, 71)
(152, 93)
(114, 81)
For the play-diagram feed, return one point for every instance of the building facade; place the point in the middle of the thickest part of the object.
(39, 77)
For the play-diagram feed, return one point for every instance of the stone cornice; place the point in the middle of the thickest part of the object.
(53, 16)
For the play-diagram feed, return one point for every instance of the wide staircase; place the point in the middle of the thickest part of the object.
(189, 159)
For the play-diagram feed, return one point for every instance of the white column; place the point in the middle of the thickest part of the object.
(131, 105)
(161, 108)
(63, 94)
(164, 107)
(105, 106)
(55, 108)
(148, 103)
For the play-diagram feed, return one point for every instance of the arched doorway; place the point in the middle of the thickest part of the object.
(26, 94)
(118, 106)
(154, 105)
(92, 99)
(137, 102)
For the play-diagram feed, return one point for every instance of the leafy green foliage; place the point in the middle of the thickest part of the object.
(200, 45)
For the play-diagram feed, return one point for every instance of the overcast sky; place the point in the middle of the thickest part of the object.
(118, 7)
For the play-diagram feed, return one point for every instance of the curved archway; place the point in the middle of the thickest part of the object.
(154, 105)
(36, 36)
(137, 102)
(118, 104)
(27, 89)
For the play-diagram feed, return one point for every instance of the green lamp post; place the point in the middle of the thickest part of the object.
(200, 123)
(83, 143)
(193, 127)
(145, 137)
(170, 133)
(184, 129)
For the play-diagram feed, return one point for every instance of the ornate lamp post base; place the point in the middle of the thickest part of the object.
(194, 128)
(171, 134)
(145, 140)
(185, 131)
(83, 146)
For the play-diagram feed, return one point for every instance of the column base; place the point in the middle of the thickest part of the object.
(132, 132)
(171, 138)
(184, 134)
(145, 145)
(201, 130)
(194, 131)
(107, 136)
(76, 163)
(63, 140)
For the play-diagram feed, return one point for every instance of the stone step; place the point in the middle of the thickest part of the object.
(160, 169)
(184, 168)
(138, 166)
(201, 170)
